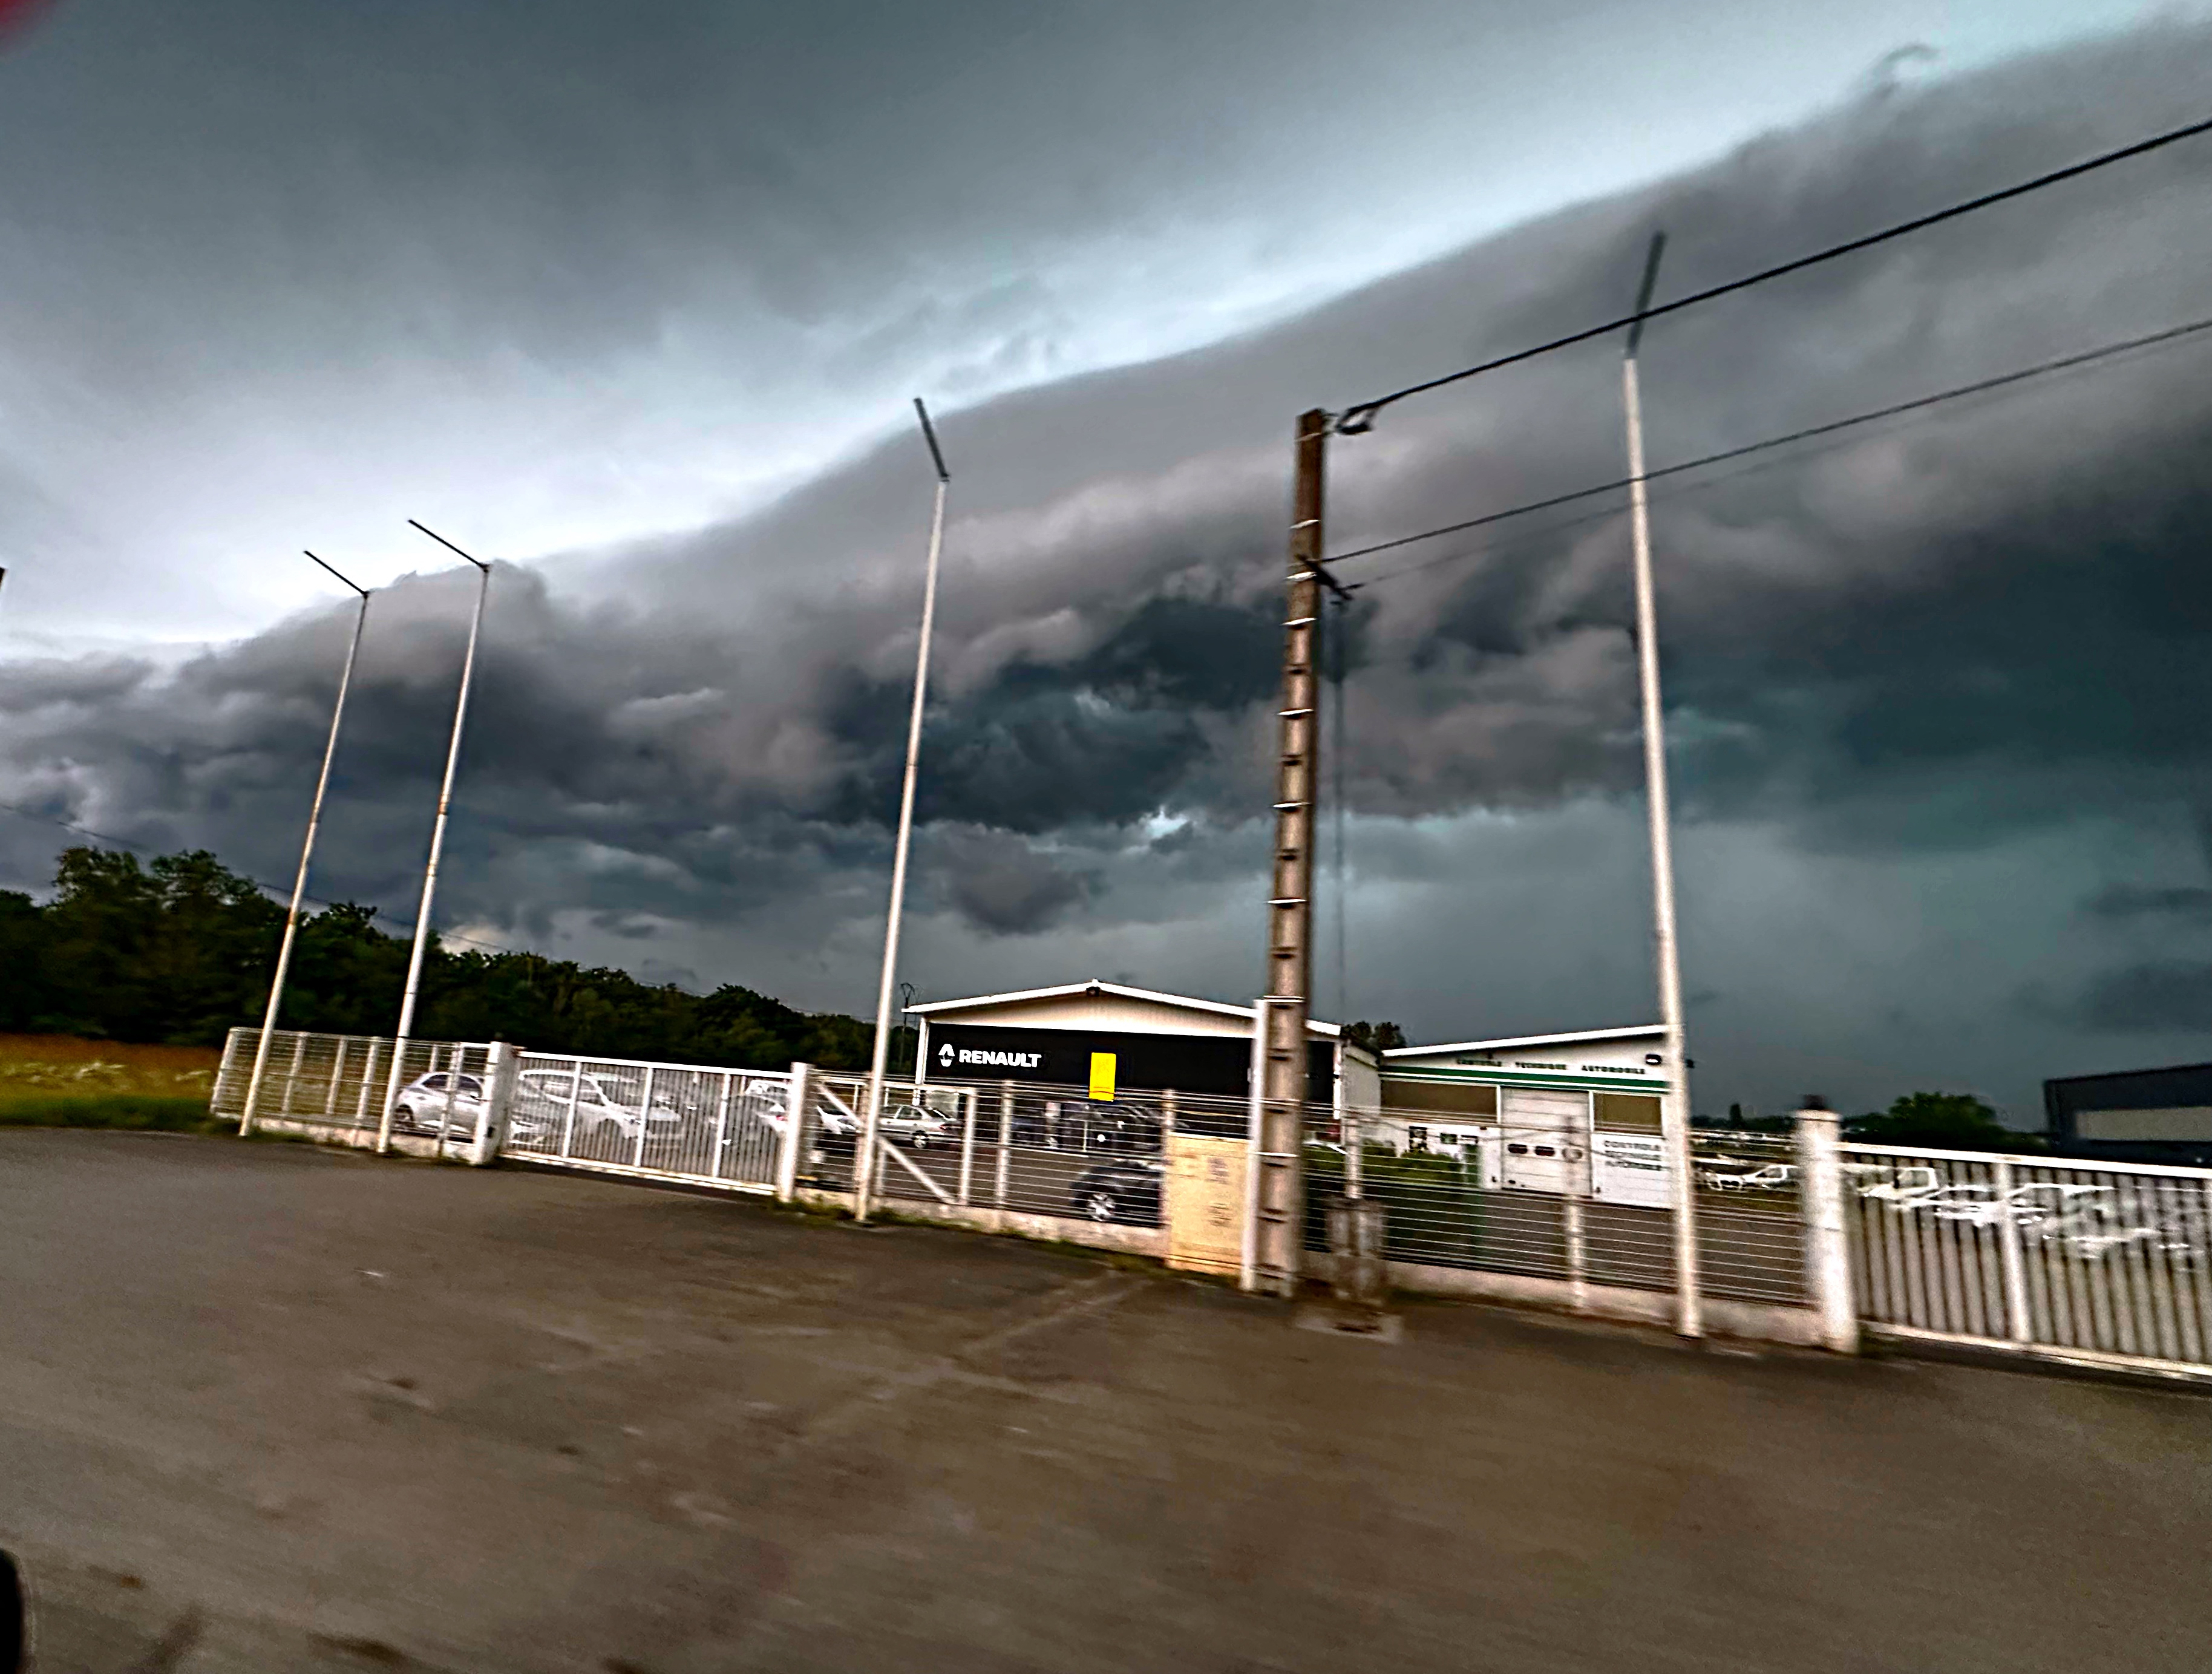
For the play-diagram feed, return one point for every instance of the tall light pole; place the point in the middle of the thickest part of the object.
(307, 854)
(437, 843)
(863, 1161)
(1674, 1107)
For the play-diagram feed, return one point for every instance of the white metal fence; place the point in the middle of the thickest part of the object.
(2068, 1259)
(2105, 1263)
(1553, 1196)
(339, 1081)
(1017, 1148)
(678, 1121)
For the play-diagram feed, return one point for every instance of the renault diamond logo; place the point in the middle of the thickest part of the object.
(944, 1054)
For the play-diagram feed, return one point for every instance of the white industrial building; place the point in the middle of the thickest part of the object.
(1153, 1042)
(1575, 1113)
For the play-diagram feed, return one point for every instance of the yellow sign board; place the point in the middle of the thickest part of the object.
(1101, 1075)
(1206, 1202)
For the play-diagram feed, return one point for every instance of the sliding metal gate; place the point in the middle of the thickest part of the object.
(677, 1121)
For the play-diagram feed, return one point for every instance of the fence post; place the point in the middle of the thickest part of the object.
(644, 1120)
(968, 1103)
(338, 1074)
(368, 1085)
(2015, 1272)
(292, 1076)
(1827, 1237)
(568, 1116)
(1006, 1142)
(456, 1056)
(722, 1122)
(800, 1100)
(499, 1099)
(222, 1083)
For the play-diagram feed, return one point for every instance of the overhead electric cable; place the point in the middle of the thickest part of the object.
(1980, 386)
(1357, 419)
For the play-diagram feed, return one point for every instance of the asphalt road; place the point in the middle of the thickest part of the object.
(267, 1407)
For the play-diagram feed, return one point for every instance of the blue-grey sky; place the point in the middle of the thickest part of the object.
(557, 275)
(633, 298)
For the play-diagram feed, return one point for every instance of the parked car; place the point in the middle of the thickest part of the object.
(1773, 1176)
(917, 1125)
(1904, 1186)
(765, 1102)
(542, 1097)
(424, 1102)
(1122, 1189)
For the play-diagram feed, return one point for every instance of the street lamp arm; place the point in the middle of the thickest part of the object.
(447, 544)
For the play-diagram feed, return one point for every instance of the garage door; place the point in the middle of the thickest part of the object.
(1545, 1137)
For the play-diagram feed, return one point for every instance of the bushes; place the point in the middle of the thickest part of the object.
(1431, 1204)
(108, 1110)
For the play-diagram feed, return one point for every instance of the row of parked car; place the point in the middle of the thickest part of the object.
(544, 1099)
(2089, 1220)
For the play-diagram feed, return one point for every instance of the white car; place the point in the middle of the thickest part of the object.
(1904, 1187)
(424, 1103)
(768, 1103)
(542, 1098)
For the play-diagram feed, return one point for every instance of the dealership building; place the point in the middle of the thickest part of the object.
(1113, 1040)
(1575, 1114)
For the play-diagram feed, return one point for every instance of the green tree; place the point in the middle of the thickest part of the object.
(22, 961)
(182, 948)
(1952, 1121)
(1376, 1037)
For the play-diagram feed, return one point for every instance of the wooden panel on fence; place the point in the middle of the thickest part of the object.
(1206, 1202)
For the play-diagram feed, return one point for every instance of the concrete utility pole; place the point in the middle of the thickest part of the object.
(1279, 1092)
(437, 844)
(307, 854)
(1675, 1109)
(863, 1161)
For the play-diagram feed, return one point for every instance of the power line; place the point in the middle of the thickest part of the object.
(266, 889)
(1980, 386)
(1359, 419)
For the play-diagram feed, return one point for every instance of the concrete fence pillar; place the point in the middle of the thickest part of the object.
(795, 1107)
(1827, 1234)
(499, 1100)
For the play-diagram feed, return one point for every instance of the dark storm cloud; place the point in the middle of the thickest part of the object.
(1949, 630)
(2130, 901)
(1003, 886)
(2169, 995)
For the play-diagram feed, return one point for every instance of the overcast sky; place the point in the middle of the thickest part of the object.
(633, 298)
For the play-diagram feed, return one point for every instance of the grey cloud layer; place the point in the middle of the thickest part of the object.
(1940, 636)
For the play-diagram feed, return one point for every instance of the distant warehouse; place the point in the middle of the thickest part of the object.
(2133, 1116)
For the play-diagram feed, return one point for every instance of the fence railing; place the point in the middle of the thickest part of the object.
(727, 1127)
(1023, 1147)
(2058, 1257)
(2062, 1258)
(1563, 1200)
(340, 1081)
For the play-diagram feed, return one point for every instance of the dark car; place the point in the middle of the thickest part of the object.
(1124, 1189)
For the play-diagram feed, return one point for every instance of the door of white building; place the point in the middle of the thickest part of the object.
(1544, 1135)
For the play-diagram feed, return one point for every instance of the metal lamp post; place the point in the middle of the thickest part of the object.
(437, 844)
(307, 854)
(864, 1160)
(1675, 1110)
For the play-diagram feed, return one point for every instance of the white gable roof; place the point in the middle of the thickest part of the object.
(949, 1010)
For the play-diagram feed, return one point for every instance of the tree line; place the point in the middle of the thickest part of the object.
(178, 951)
